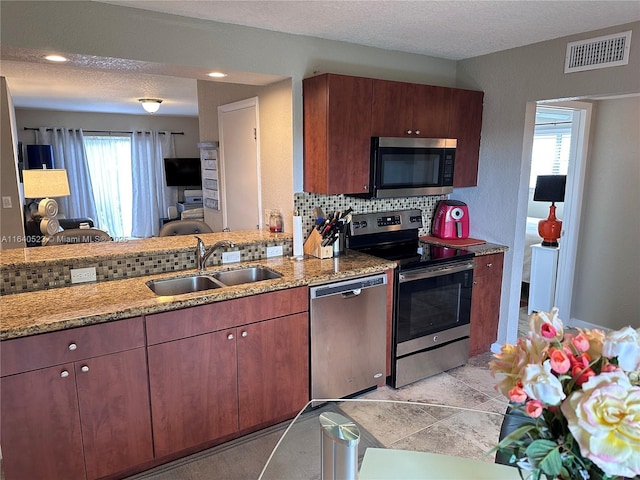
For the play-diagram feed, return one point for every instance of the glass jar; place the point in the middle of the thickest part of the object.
(275, 221)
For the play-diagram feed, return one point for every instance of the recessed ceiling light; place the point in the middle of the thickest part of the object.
(217, 74)
(55, 58)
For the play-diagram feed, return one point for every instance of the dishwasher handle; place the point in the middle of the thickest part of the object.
(348, 288)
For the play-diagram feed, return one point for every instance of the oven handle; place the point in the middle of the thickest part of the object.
(419, 274)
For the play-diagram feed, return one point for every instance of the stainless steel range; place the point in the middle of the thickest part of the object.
(432, 298)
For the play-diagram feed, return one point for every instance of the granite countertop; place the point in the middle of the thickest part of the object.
(43, 311)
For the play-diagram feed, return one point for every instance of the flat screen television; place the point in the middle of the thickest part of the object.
(183, 172)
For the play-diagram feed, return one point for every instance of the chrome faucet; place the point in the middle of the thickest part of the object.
(202, 253)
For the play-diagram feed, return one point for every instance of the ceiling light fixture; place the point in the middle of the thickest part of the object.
(55, 58)
(151, 105)
(217, 74)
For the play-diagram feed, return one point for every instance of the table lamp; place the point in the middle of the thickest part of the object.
(45, 183)
(550, 188)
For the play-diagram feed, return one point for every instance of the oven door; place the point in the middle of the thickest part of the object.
(433, 306)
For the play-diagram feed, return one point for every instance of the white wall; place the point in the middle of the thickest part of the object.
(511, 80)
(607, 280)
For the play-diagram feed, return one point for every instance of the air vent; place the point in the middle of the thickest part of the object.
(600, 52)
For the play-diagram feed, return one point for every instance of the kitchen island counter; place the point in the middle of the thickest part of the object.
(55, 309)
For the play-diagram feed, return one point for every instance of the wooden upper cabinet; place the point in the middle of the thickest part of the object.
(402, 109)
(465, 125)
(337, 133)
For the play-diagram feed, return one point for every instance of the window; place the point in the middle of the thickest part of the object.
(551, 143)
(109, 159)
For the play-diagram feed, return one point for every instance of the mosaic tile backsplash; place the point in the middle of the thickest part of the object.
(305, 203)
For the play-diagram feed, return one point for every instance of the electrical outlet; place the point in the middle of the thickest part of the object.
(274, 251)
(82, 275)
(6, 202)
(230, 257)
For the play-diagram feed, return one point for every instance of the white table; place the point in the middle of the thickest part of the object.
(387, 464)
(544, 272)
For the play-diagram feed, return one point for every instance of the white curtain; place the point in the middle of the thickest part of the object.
(151, 197)
(69, 153)
(110, 166)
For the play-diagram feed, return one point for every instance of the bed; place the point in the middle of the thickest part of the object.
(531, 238)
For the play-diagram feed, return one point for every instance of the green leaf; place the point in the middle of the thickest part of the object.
(545, 454)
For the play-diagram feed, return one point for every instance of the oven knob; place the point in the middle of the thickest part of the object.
(363, 224)
(435, 338)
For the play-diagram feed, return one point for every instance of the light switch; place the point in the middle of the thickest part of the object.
(6, 202)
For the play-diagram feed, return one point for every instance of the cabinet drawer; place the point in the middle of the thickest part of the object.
(488, 264)
(187, 322)
(48, 349)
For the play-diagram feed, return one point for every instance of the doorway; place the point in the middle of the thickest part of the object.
(240, 165)
(559, 142)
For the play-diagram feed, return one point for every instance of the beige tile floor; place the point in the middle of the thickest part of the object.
(466, 433)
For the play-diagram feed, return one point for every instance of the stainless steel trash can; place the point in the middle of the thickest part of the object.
(340, 438)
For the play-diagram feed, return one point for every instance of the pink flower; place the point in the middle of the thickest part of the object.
(548, 331)
(560, 362)
(581, 342)
(610, 367)
(517, 394)
(581, 374)
(534, 408)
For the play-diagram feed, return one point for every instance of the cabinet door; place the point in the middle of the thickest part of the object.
(273, 369)
(337, 134)
(431, 107)
(485, 303)
(392, 109)
(466, 125)
(113, 395)
(194, 396)
(41, 435)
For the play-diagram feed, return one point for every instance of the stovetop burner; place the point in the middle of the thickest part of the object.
(394, 236)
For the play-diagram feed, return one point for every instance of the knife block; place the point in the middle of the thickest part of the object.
(313, 246)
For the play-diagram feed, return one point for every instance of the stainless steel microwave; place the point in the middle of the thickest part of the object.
(404, 167)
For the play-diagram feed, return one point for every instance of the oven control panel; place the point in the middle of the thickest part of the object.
(377, 222)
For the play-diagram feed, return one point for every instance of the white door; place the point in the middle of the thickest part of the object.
(240, 165)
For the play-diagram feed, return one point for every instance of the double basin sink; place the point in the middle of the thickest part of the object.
(198, 283)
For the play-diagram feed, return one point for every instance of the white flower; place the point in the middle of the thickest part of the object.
(547, 325)
(624, 344)
(603, 417)
(540, 384)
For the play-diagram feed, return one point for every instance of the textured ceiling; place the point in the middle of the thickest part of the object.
(446, 29)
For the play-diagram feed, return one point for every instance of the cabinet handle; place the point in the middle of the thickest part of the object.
(244, 334)
(365, 187)
(489, 265)
(72, 346)
(417, 132)
(84, 368)
(475, 282)
(64, 373)
(409, 132)
(230, 336)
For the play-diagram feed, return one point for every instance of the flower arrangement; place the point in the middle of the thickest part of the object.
(579, 394)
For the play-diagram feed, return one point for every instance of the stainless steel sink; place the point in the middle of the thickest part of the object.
(178, 286)
(245, 275)
(198, 283)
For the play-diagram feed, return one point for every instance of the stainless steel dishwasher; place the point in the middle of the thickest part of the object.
(348, 336)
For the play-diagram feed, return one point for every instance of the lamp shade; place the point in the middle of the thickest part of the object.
(550, 188)
(39, 156)
(45, 183)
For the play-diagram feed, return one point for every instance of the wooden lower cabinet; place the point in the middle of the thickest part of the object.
(41, 436)
(193, 387)
(273, 369)
(228, 375)
(86, 419)
(485, 302)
